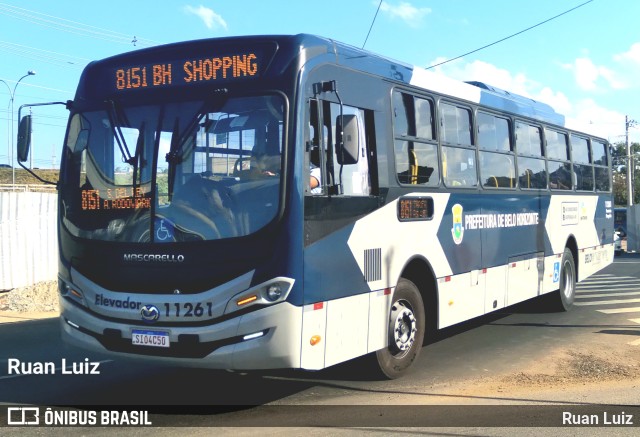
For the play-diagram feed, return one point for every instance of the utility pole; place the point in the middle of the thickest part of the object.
(32, 149)
(630, 164)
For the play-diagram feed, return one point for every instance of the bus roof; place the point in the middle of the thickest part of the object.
(276, 52)
(472, 91)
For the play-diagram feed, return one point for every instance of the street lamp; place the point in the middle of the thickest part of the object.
(12, 95)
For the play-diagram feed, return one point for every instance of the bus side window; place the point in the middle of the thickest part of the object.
(350, 177)
(560, 174)
(460, 167)
(458, 158)
(601, 171)
(353, 177)
(314, 151)
(582, 168)
(416, 152)
(528, 140)
(533, 174)
(497, 169)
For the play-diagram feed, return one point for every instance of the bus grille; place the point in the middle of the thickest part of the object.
(372, 264)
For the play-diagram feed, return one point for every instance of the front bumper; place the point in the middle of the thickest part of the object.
(222, 345)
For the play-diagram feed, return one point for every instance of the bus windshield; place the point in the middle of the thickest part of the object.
(174, 172)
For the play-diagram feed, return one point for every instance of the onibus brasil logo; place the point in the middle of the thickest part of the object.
(457, 231)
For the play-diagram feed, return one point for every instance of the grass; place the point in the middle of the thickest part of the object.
(24, 178)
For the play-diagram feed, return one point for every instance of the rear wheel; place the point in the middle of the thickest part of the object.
(405, 331)
(567, 280)
(562, 299)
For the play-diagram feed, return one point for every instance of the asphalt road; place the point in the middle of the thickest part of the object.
(448, 376)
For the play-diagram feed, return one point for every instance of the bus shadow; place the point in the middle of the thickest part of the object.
(120, 382)
(139, 383)
(630, 332)
(545, 304)
(172, 391)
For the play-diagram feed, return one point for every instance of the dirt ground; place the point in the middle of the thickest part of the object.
(38, 298)
(570, 375)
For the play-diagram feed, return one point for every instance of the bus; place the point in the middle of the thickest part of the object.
(620, 221)
(191, 231)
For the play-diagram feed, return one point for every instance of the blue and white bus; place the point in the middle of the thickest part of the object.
(191, 231)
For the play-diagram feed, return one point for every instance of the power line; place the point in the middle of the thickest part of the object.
(510, 36)
(34, 123)
(36, 86)
(70, 26)
(47, 56)
(41, 114)
(373, 21)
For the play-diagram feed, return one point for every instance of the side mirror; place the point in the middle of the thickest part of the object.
(24, 138)
(347, 139)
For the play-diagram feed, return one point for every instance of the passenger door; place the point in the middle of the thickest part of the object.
(336, 293)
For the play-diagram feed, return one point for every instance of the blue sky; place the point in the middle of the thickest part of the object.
(586, 64)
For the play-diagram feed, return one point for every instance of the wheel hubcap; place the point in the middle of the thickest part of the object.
(404, 326)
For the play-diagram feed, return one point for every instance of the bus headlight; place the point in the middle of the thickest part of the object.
(274, 292)
(268, 293)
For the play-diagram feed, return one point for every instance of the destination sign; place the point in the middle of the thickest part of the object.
(114, 198)
(187, 71)
(415, 208)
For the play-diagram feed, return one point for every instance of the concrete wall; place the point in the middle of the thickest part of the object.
(28, 238)
(633, 228)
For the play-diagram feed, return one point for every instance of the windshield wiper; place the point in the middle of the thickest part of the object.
(138, 162)
(117, 133)
(173, 157)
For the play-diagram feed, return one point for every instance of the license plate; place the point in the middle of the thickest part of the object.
(150, 338)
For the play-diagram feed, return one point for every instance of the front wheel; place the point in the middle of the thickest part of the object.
(405, 331)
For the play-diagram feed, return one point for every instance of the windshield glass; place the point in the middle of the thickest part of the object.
(174, 172)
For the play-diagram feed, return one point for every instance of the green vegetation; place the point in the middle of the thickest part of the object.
(619, 172)
(24, 178)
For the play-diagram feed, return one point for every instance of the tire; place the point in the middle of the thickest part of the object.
(405, 331)
(563, 298)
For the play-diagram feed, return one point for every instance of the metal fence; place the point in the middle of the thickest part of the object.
(28, 238)
(25, 188)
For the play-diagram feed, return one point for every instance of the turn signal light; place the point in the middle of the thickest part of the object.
(315, 340)
(246, 300)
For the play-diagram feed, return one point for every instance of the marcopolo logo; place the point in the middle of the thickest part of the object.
(150, 313)
(457, 231)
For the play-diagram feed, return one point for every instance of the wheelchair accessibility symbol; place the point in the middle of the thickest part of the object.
(164, 230)
(556, 272)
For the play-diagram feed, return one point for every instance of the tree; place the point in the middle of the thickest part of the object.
(619, 170)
